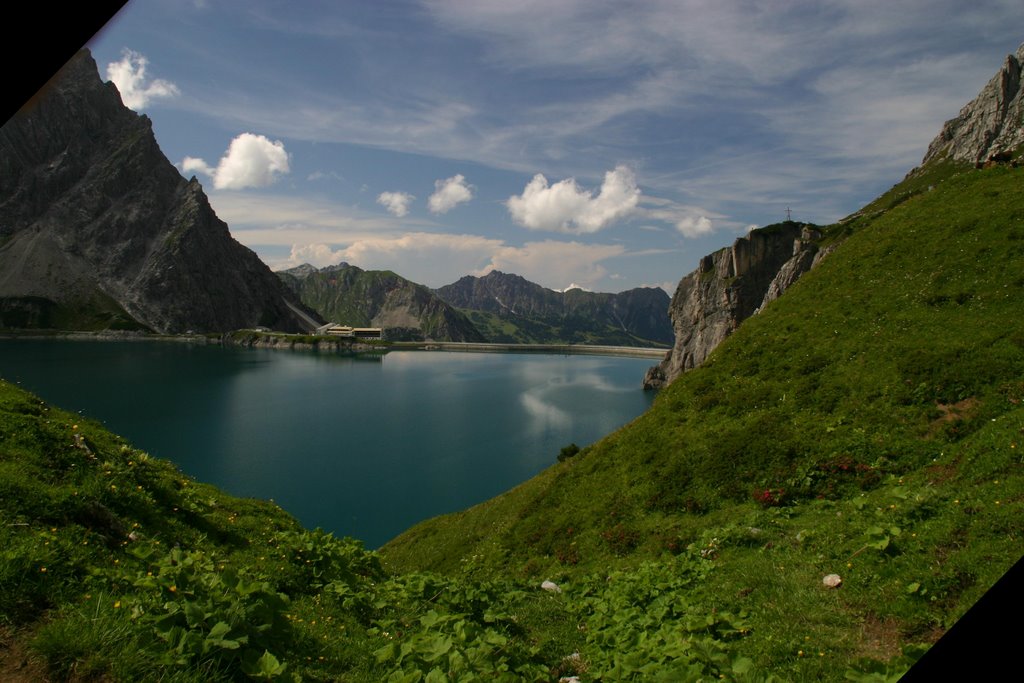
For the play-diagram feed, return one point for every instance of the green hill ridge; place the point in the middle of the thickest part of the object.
(868, 424)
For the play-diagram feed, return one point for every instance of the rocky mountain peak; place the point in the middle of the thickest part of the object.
(98, 228)
(300, 272)
(991, 126)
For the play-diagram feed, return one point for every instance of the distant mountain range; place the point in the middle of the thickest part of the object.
(498, 308)
(509, 308)
(98, 230)
(379, 298)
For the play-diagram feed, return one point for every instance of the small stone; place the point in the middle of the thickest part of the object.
(832, 581)
(551, 587)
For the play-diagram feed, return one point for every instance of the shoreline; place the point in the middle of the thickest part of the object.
(304, 342)
(566, 349)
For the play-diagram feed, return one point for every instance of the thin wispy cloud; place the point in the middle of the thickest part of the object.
(659, 64)
(321, 175)
(713, 116)
(689, 221)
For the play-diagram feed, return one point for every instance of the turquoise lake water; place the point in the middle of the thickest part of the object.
(360, 446)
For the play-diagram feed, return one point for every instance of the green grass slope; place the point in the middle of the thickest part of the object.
(115, 566)
(868, 423)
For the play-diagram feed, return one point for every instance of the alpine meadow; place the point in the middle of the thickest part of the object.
(821, 498)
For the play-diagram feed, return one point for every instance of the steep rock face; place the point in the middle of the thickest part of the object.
(91, 213)
(991, 126)
(378, 298)
(728, 287)
(636, 316)
(502, 293)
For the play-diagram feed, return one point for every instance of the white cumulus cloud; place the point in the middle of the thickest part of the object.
(250, 161)
(129, 75)
(318, 255)
(449, 193)
(694, 226)
(565, 207)
(396, 203)
(195, 165)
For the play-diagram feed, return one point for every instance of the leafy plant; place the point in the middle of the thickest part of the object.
(198, 610)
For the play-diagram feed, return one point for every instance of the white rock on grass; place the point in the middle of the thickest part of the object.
(832, 581)
(551, 587)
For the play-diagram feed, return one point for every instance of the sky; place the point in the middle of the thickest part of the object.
(599, 144)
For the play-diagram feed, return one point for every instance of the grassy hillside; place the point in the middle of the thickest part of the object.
(869, 424)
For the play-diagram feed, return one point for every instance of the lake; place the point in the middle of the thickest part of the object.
(362, 446)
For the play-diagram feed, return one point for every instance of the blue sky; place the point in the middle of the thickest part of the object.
(607, 145)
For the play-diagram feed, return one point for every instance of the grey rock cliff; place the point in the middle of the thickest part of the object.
(93, 217)
(728, 287)
(991, 126)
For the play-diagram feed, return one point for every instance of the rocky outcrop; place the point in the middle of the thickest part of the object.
(991, 126)
(254, 339)
(634, 317)
(502, 293)
(405, 310)
(98, 228)
(728, 287)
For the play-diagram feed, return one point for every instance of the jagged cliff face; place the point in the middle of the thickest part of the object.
(352, 296)
(635, 316)
(728, 287)
(991, 126)
(97, 225)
